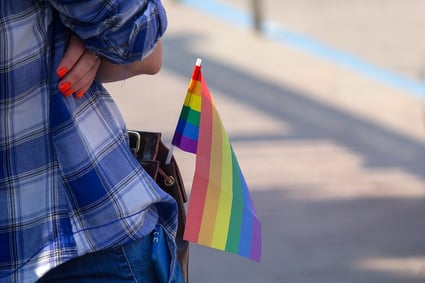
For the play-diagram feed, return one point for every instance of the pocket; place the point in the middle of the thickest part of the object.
(160, 255)
(138, 259)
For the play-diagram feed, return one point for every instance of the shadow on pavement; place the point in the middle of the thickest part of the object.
(323, 242)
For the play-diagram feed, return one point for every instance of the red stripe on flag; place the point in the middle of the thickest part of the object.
(202, 172)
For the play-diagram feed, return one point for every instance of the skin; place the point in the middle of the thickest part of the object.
(79, 67)
(150, 65)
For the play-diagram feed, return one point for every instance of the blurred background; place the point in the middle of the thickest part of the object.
(323, 101)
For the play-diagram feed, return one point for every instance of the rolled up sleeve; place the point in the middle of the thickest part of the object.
(122, 31)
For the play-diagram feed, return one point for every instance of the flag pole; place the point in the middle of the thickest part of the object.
(169, 155)
(171, 151)
(198, 62)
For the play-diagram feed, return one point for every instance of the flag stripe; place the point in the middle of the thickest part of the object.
(237, 210)
(193, 99)
(246, 231)
(191, 116)
(214, 185)
(195, 215)
(190, 130)
(196, 207)
(226, 193)
(185, 143)
(256, 240)
(196, 75)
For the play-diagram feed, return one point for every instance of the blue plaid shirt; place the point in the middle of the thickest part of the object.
(68, 182)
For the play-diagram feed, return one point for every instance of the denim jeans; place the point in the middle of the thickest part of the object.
(123, 264)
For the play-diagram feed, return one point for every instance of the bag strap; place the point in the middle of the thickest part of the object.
(148, 147)
(145, 145)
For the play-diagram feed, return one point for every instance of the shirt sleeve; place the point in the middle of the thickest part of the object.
(121, 30)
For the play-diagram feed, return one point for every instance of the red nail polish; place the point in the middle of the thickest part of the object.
(80, 94)
(61, 72)
(69, 92)
(63, 87)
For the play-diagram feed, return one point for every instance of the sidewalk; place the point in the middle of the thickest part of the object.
(384, 32)
(334, 160)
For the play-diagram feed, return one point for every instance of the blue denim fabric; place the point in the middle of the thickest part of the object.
(123, 264)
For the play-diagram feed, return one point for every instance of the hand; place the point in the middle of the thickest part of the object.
(77, 69)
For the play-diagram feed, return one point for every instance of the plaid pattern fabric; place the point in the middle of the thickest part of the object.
(68, 182)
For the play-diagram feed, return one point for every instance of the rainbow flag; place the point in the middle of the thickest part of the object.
(221, 213)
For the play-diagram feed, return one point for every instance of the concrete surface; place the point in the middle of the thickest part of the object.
(334, 160)
(387, 33)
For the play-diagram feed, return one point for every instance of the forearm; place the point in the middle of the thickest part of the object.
(120, 30)
(110, 72)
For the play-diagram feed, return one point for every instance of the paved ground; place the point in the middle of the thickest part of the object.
(334, 159)
(384, 32)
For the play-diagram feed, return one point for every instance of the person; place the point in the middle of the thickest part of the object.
(75, 206)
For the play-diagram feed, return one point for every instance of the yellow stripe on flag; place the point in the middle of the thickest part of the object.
(224, 209)
(193, 99)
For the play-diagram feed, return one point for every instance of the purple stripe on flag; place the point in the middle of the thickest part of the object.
(256, 240)
(185, 143)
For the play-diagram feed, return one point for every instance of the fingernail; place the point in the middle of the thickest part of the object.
(61, 72)
(80, 94)
(69, 92)
(63, 87)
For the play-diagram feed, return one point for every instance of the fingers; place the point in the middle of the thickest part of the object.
(77, 69)
(72, 55)
(82, 75)
(84, 83)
